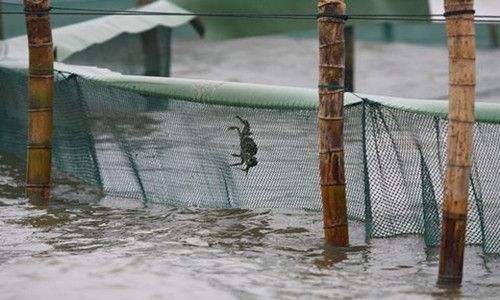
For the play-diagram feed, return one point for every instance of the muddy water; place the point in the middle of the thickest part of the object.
(84, 247)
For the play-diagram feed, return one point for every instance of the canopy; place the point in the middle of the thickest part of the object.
(77, 37)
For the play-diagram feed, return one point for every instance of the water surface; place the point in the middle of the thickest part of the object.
(84, 247)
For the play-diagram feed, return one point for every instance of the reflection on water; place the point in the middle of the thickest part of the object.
(119, 249)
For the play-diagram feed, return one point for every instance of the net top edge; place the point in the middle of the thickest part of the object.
(277, 97)
(256, 95)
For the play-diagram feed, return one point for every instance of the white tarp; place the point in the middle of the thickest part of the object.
(482, 7)
(77, 37)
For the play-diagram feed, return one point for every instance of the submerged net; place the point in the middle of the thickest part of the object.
(166, 150)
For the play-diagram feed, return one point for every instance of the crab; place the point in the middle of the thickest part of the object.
(248, 147)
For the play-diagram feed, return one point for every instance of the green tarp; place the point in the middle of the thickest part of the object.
(14, 25)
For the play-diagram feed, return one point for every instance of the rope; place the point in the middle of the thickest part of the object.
(459, 13)
(39, 12)
(331, 87)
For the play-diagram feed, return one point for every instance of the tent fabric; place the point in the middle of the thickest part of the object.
(74, 38)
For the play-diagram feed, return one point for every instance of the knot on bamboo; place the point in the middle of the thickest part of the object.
(37, 12)
(459, 12)
(331, 87)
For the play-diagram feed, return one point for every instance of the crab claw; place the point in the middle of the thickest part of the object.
(246, 171)
(245, 122)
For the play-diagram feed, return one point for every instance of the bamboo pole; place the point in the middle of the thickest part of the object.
(40, 94)
(462, 47)
(330, 121)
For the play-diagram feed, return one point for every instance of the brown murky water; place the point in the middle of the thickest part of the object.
(119, 249)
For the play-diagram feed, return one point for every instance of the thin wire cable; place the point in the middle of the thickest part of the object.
(256, 16)
(253, 15)
(312, 16)
(425, 17)
(291, 17)
(364, 17)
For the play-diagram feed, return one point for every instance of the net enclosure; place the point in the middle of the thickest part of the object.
(171, 141)
(185, 142)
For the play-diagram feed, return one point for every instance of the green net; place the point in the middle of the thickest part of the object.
(134, 143)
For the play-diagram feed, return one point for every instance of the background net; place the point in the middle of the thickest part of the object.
(179, 152)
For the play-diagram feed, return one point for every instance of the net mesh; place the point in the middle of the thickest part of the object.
(180, 153)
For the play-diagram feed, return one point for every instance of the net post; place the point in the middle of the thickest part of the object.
(40, 98)
(166, 45)
(331, 21)
(1, 22)
(151, 47)
(350, 42)
(388, 31)
(462, 47)
(492, 29)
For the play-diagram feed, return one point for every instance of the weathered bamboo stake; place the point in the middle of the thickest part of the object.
(330, 121)
(462, 47)
(40, 94)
